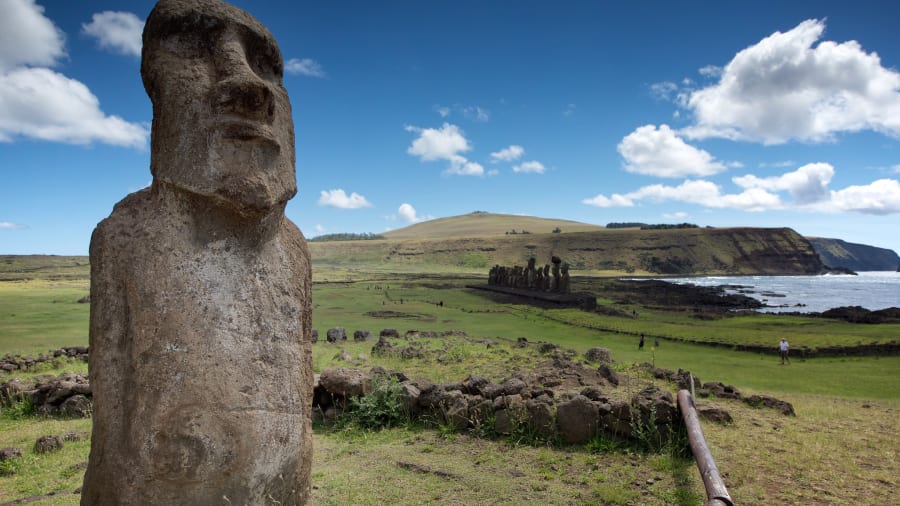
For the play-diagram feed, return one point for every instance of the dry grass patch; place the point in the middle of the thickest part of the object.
(836, 451)
(411, 468)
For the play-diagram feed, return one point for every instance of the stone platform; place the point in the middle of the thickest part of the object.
(584, 300)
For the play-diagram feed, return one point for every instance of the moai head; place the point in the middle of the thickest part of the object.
(222, 125)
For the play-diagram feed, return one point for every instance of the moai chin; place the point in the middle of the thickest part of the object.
(200, 328)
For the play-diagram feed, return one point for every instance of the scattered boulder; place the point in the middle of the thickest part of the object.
(715, 414)
(547, 348)
(315, 336)
(361, 335)
(456, 413)
(77, 406)
(540, 417)
(473, 385)
(390, 333)
(593, 394)
(336, 334)
(47, 444)
(598, 355)
(383, 347)
(512, 386)
(609, 375)
(345, 382)
(723, 391)
(784, 407)
(683, 379)
(76, 435)
(577, 420)
(10, 453)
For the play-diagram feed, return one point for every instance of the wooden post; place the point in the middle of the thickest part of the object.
(716, 493)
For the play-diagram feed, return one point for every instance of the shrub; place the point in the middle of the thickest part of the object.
(382, 408)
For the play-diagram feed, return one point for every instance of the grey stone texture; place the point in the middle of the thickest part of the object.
(200, 327)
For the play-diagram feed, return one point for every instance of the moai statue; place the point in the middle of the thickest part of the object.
(492, 275)
(538, 279)
(529, 273)
(200, 325)
(564, 278)
(547, 280)
(555, 286)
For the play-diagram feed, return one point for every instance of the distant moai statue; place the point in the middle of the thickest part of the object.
(564, 279)
(200, 324)
(556, 261)
(529, 273)
(493, 274)
(547, 280)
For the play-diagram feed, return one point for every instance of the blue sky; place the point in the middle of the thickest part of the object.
(764, 114)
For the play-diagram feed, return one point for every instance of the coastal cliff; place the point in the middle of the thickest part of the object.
(682, 252)
(836, 253)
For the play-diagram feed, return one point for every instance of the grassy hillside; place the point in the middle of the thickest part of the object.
(604, 251)
(47, 267)
(480, 224)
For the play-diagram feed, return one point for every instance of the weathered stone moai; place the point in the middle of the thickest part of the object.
(564, 278)
(200, 355)
(556, 261)
(547, 279)
(529, 273)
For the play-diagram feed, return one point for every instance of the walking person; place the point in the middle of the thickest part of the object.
(784, 349)
(641, 343)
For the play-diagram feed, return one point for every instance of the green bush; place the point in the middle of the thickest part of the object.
(17, 410)
(382, 408)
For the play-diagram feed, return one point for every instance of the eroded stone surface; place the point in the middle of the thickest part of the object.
(200, 327)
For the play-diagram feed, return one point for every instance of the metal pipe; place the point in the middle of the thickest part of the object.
(716, 493)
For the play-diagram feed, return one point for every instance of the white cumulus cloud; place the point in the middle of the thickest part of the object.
(117, 31)
(614, 200)
(700, 192)
(534, 167)
(305, 67)
(445, 143)
(407, 213)
(40, 103)
(789, 87)
(461, 167)
(509, 154)
(338, 198)
(43, 104)
(660, 152)
(432, 144)
(806, 185)
(880, 197)
(320, 228)
(27, 37)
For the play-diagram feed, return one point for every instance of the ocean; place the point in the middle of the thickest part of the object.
(807, 294)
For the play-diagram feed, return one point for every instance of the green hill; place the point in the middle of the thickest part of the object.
(475, 242)
(480, 224)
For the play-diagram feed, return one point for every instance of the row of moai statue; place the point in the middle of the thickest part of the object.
(544, 279)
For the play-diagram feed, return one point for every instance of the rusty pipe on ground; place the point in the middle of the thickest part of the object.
(716, 493)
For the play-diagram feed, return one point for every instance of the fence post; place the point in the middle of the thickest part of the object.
(716, 493)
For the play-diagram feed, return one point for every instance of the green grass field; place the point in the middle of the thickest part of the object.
(840, 449)
(41, 315)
